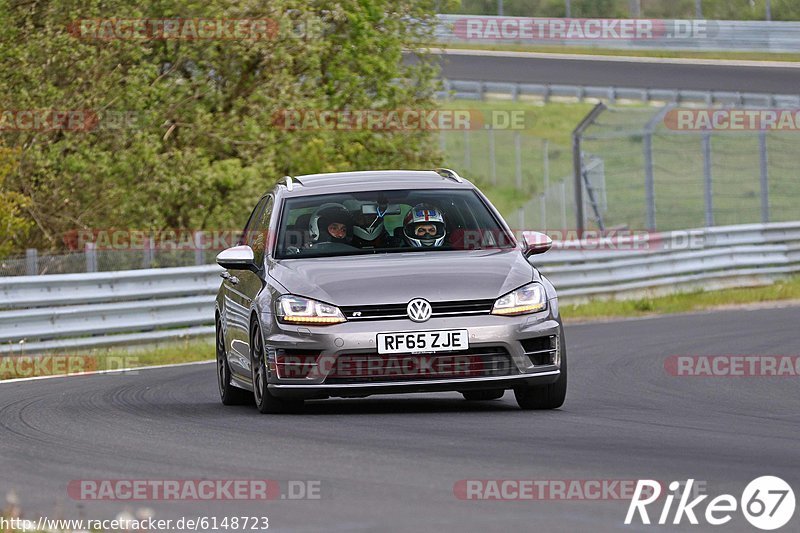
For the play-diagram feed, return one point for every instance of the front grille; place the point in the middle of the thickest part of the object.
(371, 368)
(398, 311)
(540, 350)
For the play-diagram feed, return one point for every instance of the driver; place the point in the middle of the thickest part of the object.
(424, 227)
(333, 225)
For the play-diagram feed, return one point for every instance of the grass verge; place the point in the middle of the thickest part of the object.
(682, 302)
(470, 151)
(77, 361)
(670, 54)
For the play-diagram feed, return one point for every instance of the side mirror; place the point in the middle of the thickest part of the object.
(237, 258)
(534, 243)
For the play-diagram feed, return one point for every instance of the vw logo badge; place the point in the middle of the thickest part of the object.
(419, 310)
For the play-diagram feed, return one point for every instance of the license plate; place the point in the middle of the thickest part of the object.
(423, 341)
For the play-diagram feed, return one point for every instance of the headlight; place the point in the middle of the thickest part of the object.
(299, 310)
(528, 299)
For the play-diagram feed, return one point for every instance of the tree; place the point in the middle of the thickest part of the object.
(180, 133)
(14, 227)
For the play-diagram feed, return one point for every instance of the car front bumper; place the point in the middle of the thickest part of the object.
(360, 338)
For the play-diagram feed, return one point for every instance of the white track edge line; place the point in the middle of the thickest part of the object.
(110, 371)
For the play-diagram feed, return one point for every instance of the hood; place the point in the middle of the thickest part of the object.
(400, 277)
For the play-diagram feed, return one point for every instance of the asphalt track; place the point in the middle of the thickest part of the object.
(390, 463)
(654, 74)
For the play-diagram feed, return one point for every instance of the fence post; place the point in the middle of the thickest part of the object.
(543, 210)
(199, 250)
(467, 151)
(764, 162)
(147, 256)
(546, 164)
(492, 162)
(577, 164)
(563, 205)
(707, 180)
(518, 158)
(521, 218)
(649, 176)
(91, 257)
(649, 182)
(32, 262)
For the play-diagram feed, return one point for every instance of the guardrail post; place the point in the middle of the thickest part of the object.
(764, 163)
(91, 257)
(707, 180)
(32, 262)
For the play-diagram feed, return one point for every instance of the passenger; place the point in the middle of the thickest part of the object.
(369, 231)
(424, 227)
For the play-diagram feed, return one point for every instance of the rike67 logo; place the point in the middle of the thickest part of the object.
(768, 503)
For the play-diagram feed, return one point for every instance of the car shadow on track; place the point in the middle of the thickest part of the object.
(399, 405)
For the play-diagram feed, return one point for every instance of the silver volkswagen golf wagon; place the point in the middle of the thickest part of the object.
(359, 283)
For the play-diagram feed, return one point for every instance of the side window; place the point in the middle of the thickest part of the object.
(246, 237)
(260, 234)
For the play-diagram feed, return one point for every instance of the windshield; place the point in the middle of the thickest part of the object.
(386, 222)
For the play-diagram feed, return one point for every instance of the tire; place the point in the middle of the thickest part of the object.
(483, 395)
(228, 393)
(265, 401)
(546, 396)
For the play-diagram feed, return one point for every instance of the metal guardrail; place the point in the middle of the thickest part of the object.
(682, 35)
(40, 313)
(482, 90)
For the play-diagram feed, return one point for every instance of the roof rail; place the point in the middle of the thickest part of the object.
(451, 174)
(287, 180)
